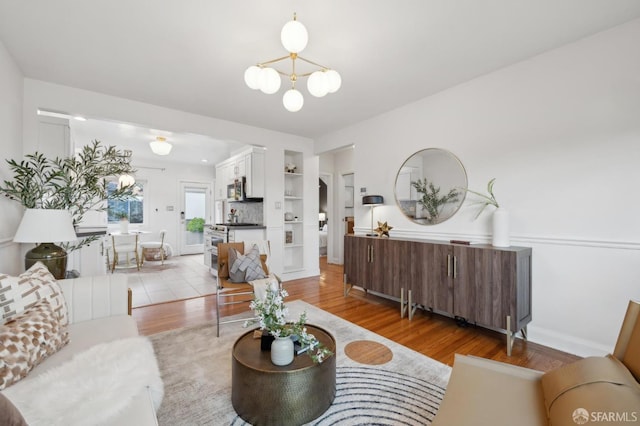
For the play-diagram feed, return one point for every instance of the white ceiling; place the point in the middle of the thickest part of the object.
(191, 54)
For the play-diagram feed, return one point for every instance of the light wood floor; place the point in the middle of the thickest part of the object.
(433, 335)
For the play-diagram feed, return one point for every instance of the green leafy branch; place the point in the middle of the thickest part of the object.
(485, 200)
(77, 184)
(431, 200)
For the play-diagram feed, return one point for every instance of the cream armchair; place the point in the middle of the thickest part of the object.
(485, 392)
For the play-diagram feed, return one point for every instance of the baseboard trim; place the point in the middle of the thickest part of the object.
(566, 343)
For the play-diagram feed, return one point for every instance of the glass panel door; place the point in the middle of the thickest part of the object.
(194, 213)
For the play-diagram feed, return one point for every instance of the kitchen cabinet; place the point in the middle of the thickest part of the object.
(249, 164)
(479, 284)
(253, 166)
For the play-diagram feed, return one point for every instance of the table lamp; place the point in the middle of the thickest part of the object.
(322, 217)
(372, 201)
(40, 225)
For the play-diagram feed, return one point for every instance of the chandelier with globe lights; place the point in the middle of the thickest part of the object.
(263, 77)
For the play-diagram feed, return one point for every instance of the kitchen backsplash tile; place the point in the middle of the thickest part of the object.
(248, 212)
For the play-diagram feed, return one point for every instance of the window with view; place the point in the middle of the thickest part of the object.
(131, 208)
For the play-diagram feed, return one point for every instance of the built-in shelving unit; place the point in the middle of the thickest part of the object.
(294, 213)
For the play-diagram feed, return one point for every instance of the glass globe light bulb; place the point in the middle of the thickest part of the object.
(293, 100)
(294, 36)
(269, 80)
(334, 80)
(317, 84)
(252, 77)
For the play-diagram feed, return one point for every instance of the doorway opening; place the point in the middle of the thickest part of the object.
(195, 211)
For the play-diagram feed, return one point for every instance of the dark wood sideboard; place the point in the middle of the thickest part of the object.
(481, 284)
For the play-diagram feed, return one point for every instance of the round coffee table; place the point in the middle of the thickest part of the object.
(266, 394)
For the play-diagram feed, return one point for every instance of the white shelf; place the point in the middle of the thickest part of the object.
(293, 244)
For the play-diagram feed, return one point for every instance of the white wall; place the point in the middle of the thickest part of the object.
(11, 260)
(337, 163)
(91, 104)
(560, 132)
(162, 190)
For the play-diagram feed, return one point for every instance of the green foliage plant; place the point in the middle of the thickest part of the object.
(77, 184)
(485, 200)
(196, 225)
(431, 200)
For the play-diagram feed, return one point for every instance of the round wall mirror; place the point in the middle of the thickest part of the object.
(431, 186)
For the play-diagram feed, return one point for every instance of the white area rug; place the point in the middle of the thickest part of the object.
(196, 368)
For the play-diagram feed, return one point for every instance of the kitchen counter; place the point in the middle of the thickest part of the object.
(237, 226)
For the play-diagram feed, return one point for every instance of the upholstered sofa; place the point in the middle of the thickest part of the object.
(98, 310)
(594, 390)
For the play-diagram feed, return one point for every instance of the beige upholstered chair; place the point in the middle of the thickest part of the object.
(125, 246)
(486, 392)
(158, 245)
(230, 293)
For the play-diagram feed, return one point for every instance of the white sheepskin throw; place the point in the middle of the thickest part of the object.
(92, 387)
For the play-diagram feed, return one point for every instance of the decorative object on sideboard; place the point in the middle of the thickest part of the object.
(288, 216)
(500, 219)
(76, 184)
(383, 229)
(322, 79)
(431, 201)
(51, 226)
(372, 201)
(430, 186)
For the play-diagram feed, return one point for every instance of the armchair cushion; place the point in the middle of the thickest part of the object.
(594, 384)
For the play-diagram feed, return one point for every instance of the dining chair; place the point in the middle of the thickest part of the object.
(125, 245)
(155, 245)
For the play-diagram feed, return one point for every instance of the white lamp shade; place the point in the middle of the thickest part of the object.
(294, 36)
(334, 80)
(160, 147)
(293, 100)
(317, 84)
(322, 217)
(269, 80)
(252, 77)
(45, 226)
(126, 180)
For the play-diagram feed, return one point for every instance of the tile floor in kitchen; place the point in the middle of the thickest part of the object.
(181, 277)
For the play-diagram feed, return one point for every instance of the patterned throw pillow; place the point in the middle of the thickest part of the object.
(18, 294)
(27, 339)
(247, 267)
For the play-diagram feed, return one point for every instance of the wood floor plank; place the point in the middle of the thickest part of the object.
(433, 335)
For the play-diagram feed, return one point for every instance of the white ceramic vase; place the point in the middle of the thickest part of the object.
(282, 351)
(124, 226)
(501, 228)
